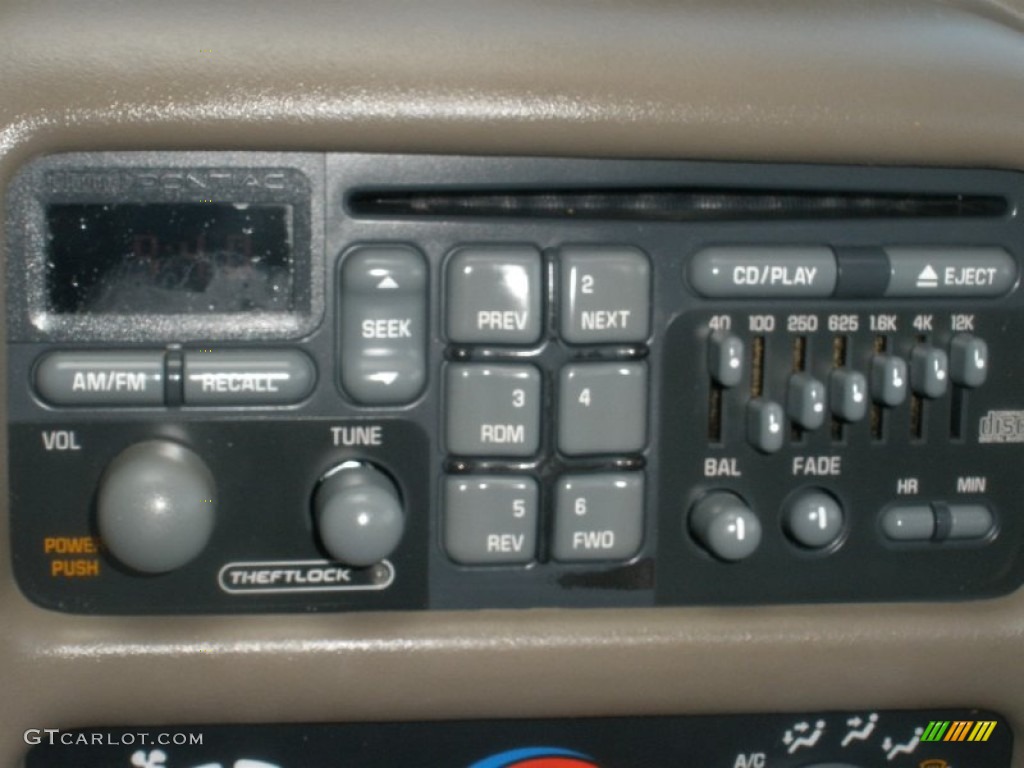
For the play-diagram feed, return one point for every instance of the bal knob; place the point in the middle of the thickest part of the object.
(724, 525)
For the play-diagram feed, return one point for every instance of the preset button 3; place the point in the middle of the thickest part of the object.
(493, 410)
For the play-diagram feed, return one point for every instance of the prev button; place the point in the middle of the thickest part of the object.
(247, 377)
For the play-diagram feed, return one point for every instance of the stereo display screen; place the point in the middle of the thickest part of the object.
(170, 258)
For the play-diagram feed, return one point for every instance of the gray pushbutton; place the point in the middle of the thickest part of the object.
(155, 507)
(358, 514)
(725, 359)
(383, 315)
(763, 272)
(493, 410)
(970, 521)
(968, 364)
(724, 525)
(912, 522)
(247, 377)
(805, 401)
(888, 380)
(929, 371)
(598, 517)
(490, 520)
(848, 394)
(813, 519)
(602, 408)
(606, 294)
(764, 425)
(494, 295)
(109, 378)
(917, 272)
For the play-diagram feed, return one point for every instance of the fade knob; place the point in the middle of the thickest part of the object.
(156, 506)
(358, 514)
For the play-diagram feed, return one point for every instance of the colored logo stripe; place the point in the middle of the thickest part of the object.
(982, 730)
(536, 757)
(935, 730)
(958, 730)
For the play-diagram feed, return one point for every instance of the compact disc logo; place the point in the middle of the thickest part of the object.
(537, 757)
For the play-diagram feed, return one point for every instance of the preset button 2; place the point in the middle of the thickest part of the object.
(606, 294)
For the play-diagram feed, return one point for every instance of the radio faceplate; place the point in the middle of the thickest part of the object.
(510, 383)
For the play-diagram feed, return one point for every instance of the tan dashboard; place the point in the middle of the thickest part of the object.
(856, 83)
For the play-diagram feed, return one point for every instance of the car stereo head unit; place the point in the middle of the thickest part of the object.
(299, 382)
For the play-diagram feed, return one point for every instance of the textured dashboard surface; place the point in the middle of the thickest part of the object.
(851, 82)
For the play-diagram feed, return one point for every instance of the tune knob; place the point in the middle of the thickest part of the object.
(358, 514)
(155, 506)
(724, 525)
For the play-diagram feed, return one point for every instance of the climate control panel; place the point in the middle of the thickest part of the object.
(258, 382)
(895, 739)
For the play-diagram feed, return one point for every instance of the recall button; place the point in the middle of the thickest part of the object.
(247, 377)
(108, 378)
(763, 272)
(919, 272)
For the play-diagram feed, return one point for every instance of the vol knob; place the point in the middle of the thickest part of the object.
(155, 506)
(724, 525)
(358, 514)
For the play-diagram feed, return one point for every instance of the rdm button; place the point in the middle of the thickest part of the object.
(383, 316)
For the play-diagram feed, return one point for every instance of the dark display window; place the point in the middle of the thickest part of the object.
(170, 258)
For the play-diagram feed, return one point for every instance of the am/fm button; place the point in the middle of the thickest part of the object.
(117, 378)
